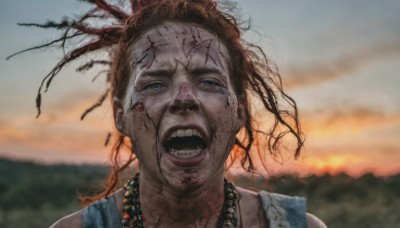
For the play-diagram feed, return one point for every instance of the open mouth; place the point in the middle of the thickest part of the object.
(185, 143)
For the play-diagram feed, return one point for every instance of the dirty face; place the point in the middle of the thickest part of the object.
(180, 109)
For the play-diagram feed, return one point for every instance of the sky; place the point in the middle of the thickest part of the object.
(340, 61)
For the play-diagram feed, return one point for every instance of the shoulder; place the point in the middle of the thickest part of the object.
(247, 194)
(93, 215)
(314, 222)
(292, 207)
(248, 199)
(250, 209)
(72, 220)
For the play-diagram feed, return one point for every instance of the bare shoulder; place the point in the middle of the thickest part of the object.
(248, 200)
(247, 194)
(72, 220)
(314, 222)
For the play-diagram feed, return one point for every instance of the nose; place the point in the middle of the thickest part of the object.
(184, 100)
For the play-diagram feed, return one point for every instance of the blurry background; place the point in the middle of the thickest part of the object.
(340, 60)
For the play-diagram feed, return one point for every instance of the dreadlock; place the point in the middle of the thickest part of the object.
(252, 73)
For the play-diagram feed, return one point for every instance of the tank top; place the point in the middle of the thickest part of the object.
(281, 211)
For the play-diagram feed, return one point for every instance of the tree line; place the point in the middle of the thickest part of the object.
(42, 193)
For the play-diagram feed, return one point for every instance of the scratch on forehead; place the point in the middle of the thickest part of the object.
(148, 56)
(173, 37)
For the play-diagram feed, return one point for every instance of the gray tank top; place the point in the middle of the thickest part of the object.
(281, 211)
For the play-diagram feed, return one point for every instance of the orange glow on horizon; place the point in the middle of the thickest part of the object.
(331, 164)
(351, 164)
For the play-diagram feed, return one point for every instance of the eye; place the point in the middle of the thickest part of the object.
(153, 87)
(210, 83)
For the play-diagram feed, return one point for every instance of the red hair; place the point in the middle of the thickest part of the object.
(252, 74)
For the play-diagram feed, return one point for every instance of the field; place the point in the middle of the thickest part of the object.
(33, 195)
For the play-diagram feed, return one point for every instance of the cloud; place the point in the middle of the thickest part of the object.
(326, 69)
(59, 132)
(348, 122)
(353, 159)
(353, 140)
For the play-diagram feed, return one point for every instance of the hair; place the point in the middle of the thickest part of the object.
(252, 74)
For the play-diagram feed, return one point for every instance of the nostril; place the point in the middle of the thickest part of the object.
(193, 107)
(183, 106)
(174, 108)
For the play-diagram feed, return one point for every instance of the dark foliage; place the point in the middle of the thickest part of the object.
(43, 193)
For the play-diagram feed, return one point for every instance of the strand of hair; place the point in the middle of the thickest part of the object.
(96, 105)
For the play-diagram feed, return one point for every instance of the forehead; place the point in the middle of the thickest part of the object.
(187, 41)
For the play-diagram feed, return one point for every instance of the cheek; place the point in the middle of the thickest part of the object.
(221, 107)
(142, 132)
(144, 113)
(140, 122)
(222, 114)
(139, 118)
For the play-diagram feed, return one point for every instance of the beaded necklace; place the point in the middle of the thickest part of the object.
(133, 212)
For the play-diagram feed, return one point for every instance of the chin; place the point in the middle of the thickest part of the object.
(186, 180)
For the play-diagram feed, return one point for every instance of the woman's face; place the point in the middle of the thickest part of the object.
(180, 110)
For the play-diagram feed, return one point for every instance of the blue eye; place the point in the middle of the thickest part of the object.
(153, 86)
(210, 83)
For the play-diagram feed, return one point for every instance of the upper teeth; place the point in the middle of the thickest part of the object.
(184, 133)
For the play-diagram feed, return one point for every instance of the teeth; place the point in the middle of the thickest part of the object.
(184, 133)
(173, 135)
(180, 133)
(185, 153)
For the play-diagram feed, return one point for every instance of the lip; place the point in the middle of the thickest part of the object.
(186, 162)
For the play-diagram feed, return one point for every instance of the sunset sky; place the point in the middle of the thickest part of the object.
(340, 60)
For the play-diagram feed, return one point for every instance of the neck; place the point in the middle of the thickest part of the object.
(163, 206)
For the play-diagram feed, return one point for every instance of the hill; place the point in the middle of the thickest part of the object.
(34, 195)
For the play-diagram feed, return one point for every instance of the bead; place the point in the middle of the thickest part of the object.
(125, 223)
(133, 212)
(227, 224)
(126, 217)
(129, 189)
(230, 196)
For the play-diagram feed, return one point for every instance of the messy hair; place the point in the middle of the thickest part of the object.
(252, 74)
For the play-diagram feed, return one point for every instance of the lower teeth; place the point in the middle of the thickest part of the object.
(185, 153)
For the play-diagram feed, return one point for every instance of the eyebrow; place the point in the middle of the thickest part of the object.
(156, 73)
(205, 70)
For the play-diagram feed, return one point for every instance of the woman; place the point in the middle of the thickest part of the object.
(180, 82)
